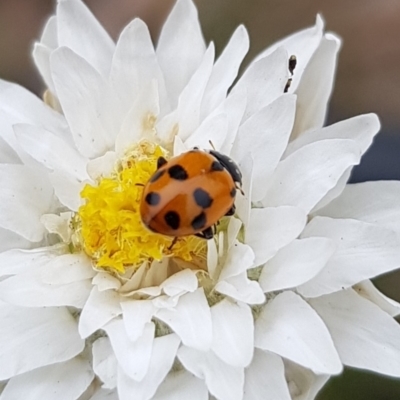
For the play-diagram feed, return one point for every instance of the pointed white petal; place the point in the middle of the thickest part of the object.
(364, 335)
(25, 196)
(318, 75)
(264, 136)
(136, 314)
(306, 339)
(297, 263)
(36, 337)
(102, 166)
(88, 103)
(303, 384)
(79, 30)
(367, 290)
(265, 378)
(243, 201)
(181, 282)
(264, 81)
(132, 357)
(225, 70)
(10, 240)
(64, 381)
(105, 364)
(233, 332)
(67, 189)
(363, 251)
(374, 202)
(105, 394)
(104, 281)
(303, 178)
(180, 48)
(190, 319)
(272, 228)
(224, 381)
(181, 385)
(239, 259)
(162, 358)
(241, 288)
(41, 56)
(100, 308)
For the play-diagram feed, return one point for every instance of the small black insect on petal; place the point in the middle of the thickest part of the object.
(152, 198)
(177, 172)
(199, 221)
(216, 166)
(202, 198)
(157, 175)
(172, 219)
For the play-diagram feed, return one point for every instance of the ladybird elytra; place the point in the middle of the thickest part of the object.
(188, 194)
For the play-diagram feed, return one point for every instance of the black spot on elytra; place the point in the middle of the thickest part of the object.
(177, 172)
(199, 221)
(202, 198)
(152, 198)
(216, 166)
(233, 192)
(161, 161)
(172, 219)
(157, 175)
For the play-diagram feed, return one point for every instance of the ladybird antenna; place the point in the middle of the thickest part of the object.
(239, 187)
(212, 145)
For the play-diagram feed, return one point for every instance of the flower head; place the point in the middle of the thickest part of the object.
(279, 300)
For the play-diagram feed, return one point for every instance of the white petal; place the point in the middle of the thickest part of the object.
(367, 290)
(64, 381)
(59, 225)
(104, 281)
(105, 364)
(233, 332)
(212, 258)
(10, 240)
(296, 263)
(41, 56)
(100, 308)
(181, 282)
(265, 378)
(50, 35)
(190, 319)
(180, 48)
(104, 394)
(133, 357)
(25, 196)
(224, 381)
(364, 335)
(288, 326)
(50, 150)
(67, 268)
(28, 290)
(36, 337)
(225, 70)
(239, 259)
(303, 384)
(189, 104)
(264, 81)
(314, 89)
(243, 201)
(16, 261)
(374, 202)
(361, 129)
(102, 166)
(241, 288)
(135, 64)
(270, 229)
(304, 177)
(181, 386)
(89, 106)
(67, 189)
(264, 136)
(363, 251)
(79, 30)
(302, 44)
(136, 314)
(162, 358)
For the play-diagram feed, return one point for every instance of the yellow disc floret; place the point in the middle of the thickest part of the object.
(108, 226)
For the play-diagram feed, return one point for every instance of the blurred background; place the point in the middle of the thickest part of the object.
(368, 80)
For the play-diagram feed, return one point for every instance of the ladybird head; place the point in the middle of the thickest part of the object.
(229, 165)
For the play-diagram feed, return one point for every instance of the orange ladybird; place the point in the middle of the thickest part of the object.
(188, 194)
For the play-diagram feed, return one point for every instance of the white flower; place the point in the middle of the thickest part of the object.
(94, 306)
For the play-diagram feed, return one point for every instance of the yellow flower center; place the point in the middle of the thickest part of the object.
(108, 226)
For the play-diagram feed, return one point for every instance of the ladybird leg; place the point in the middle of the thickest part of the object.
(160, 162)
(172, 243)
(292, 66)
(206, 234)
(231, 211)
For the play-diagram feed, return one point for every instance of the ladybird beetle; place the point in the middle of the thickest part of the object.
(188, 194)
